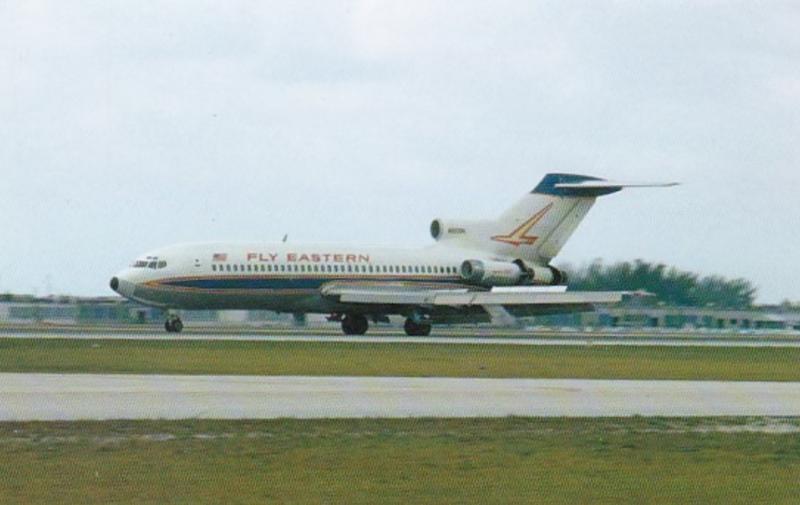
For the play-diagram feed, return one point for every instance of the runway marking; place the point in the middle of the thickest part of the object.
(49, 397)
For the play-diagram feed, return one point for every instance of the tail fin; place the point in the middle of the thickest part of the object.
(537, 226)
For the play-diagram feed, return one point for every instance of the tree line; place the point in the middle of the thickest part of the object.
(669, 284)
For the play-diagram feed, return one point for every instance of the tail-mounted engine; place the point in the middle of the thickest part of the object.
(516, 273)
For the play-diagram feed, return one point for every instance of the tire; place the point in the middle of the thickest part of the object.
(177, 326)
(355, 325)
(362, 325)
(168, 326)
(413, 329)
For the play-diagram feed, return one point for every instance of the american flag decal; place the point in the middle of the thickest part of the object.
(220, 257)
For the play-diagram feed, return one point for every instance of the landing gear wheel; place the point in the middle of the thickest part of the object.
(173, 325)
(416, 329)
(354, 324)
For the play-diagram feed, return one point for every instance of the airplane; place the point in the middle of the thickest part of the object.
(475, 271)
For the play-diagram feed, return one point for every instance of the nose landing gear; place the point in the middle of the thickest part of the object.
(173, 324)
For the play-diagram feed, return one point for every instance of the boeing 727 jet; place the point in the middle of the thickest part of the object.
(474, 271)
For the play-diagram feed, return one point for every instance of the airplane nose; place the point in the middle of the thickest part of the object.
(114, 283)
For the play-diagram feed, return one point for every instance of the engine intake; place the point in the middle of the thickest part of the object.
(451, 230)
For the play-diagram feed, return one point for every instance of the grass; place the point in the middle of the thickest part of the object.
(411, 360)
(513, 460)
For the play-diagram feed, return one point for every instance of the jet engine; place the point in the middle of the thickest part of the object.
(450, 230)
(542, 276)
(492, 273)
(516, 273)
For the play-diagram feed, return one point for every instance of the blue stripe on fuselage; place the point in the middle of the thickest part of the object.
(244, 283)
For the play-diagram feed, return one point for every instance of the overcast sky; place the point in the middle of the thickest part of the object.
(125, 126)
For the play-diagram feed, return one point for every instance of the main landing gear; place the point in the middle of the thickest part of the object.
(173, 324)
(357, 324)
(414, 329)
(354, 324)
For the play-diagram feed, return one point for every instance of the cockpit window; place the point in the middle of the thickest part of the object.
(150, 262)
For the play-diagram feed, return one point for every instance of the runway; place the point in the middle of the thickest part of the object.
(459, 338)
(49, 397)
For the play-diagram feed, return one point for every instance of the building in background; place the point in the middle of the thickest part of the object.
(638, 312)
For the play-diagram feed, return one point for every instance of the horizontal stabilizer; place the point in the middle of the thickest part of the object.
(584, 186)
(613, 185)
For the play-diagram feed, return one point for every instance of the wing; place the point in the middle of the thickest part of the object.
(436, 300)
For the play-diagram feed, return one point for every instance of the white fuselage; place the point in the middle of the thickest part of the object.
(281, 277)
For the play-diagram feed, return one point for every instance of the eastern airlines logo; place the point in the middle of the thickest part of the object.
(520, 235)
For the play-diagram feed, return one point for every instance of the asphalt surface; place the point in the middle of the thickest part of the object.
(479, 337)
(49, 397)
